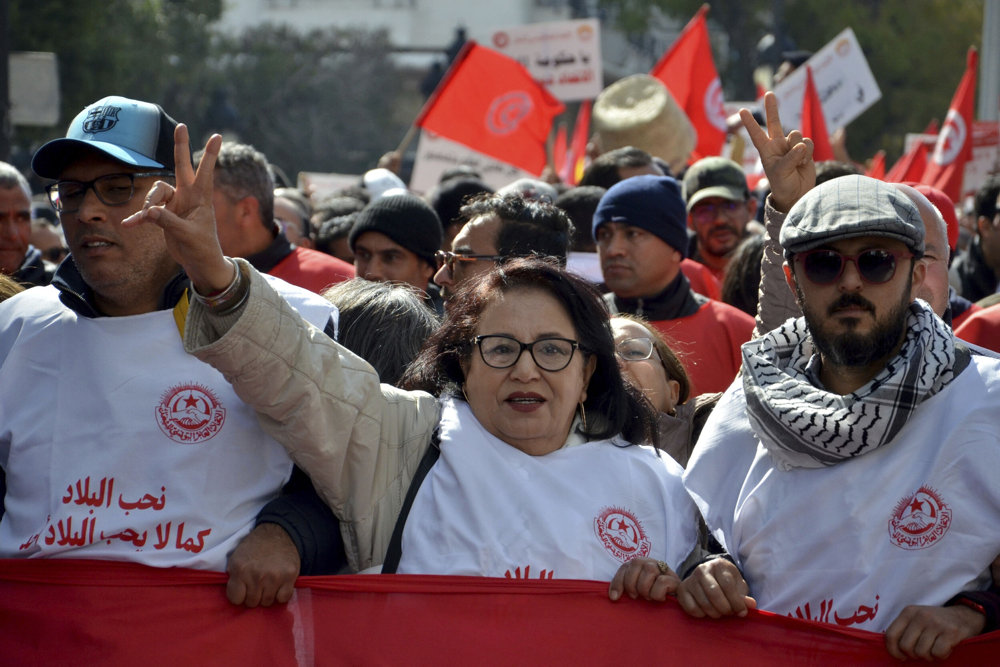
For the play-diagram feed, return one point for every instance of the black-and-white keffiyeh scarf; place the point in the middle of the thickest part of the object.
(804, 426)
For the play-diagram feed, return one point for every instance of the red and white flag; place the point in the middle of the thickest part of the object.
(946, 167)
(910, 167)
(559, 149)
(490, 103)
(814, 122)
(688, 71)
(576, 156)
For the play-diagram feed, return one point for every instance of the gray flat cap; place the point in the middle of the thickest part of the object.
(849, 207)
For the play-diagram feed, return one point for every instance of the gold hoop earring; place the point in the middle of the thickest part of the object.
(583, 417)
(465, 395)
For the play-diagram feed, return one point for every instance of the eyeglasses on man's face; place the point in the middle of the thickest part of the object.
(111, 190)
(824, 266)
(446, 258)
(550, 354)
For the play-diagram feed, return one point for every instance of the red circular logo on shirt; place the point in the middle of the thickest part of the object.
(507, 111)
(621, 533)
(190, 413)
(920, 520)
(501, 39)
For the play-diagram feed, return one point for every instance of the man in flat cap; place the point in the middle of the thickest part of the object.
(850, 474)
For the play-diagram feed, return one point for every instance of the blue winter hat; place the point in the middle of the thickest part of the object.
(652, 203)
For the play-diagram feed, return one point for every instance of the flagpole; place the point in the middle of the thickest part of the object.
(407, 139)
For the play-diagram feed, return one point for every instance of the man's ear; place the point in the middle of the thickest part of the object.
(248, 211)
(752, 207)
(919, 273)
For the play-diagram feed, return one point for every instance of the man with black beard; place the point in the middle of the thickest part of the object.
(849, 471)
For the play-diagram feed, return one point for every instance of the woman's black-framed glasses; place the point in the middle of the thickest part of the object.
(111, 189)
(549, 354)
(446, 258)
(634, 349)
(824, 266)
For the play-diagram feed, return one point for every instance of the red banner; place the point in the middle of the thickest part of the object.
(107, 613)
(489, 102)
(688, 71)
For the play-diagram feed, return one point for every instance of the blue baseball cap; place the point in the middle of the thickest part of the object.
(139, 134)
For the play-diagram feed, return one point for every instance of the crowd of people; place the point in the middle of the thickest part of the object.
(781, 399)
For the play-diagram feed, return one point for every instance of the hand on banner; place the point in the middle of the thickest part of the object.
(787, 161)
(263, 568)
(715, 589)
(186, 215)
(930, 633)
(644, 578)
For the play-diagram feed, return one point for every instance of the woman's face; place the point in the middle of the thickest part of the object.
(648, 374)
(527, 407)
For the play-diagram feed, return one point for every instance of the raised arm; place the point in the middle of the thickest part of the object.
(791, 173)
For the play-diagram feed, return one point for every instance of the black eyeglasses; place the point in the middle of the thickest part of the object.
(445, 258)
(876, 265)
(549, 354)
(111, 189)
(634, 349)
(702, 213)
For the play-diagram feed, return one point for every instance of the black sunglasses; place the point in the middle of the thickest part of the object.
(446, 258)
(875, 265)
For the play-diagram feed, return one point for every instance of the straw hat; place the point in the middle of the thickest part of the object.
(639, 111)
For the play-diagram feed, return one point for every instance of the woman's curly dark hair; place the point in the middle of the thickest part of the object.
(613, 406)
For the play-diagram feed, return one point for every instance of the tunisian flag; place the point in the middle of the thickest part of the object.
(688, 71)
(877, 168)
(910, 167)
(490, 103)
(954, 145)
(814, 122)
(576, 157)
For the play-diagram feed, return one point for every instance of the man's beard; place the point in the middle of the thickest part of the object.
(852, 349)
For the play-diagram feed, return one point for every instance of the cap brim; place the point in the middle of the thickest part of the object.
(52, 159)
(724, 191)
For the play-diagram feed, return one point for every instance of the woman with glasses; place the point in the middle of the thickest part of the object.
(650, 364)
(516, 419)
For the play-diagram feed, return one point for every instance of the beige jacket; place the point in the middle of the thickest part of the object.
(359, 441)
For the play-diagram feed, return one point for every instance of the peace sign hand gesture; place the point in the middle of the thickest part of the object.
(185, 214)
(788, 161)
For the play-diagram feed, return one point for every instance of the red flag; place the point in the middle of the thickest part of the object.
(559, 149)
(688, 71)
(910, 167)
(577, 155)
(490, 103)
(877, 168)
(813, 121)
(954, 145)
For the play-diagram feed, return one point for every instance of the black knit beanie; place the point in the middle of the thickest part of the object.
(405, 219)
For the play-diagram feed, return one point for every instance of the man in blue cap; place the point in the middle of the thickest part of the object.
(640, 228)
(115, 443)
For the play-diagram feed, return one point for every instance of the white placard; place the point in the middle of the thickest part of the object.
(565, 56)
(436, 154)
(844, 82)
(34, 88)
